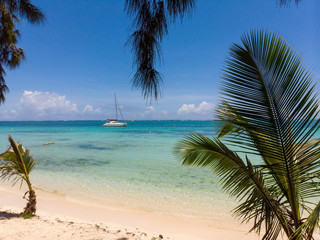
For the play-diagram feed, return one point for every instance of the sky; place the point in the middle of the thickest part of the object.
(77, 59)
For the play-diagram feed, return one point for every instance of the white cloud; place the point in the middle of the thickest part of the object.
(88, 109)
(36, 105)
(42, 104)
(165, 112)
(204, 108)
(150, 110)
(8, 114)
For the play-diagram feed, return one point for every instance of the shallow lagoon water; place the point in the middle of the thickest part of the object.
(133, 166)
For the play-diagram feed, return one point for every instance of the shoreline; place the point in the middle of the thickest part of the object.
(55, 206)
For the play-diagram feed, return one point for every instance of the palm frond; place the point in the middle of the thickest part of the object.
(16, 163)
(312, 222)
(25, 9)
(285, 3)
(174, 8)
(179, 8)
(271, 97)
(269, 110)
(3, 87)
(10, 54)
(151, 27)
(240, 179)
(151, 19)
(29, 11)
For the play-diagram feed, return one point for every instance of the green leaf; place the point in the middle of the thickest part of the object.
(269, 110)
(16, 163)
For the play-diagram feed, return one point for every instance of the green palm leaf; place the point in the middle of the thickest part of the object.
(200, 151)
(269, 111)
(271, 92)
(16, 164)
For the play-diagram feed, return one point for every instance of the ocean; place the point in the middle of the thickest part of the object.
(132, 166)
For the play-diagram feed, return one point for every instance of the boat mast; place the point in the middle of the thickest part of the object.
(116, 105)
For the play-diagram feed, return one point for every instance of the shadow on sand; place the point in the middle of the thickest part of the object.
(8, 215)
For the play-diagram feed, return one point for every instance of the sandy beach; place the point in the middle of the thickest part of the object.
(61, 218)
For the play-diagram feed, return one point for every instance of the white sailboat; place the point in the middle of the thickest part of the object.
(114, 122)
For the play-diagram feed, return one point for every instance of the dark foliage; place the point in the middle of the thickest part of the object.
(151, 18)
(287, 2)
(10, 55)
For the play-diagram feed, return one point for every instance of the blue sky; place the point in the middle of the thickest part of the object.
(77, 59)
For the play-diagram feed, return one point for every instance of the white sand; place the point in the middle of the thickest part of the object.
(60, 218)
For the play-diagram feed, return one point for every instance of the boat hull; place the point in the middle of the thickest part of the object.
(117, 124)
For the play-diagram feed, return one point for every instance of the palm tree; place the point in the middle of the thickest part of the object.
(287, 2)
(151, 19)
(269, 113)
(16, 164)
(10, 54)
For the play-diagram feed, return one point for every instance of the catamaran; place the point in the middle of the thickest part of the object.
(114, 122)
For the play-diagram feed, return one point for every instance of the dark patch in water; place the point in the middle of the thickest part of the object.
(92, 147)
(63, 139)
(84, 162)
(71, 163)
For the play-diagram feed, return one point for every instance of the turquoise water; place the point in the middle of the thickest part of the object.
(133, 166)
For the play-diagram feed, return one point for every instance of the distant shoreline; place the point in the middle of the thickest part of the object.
(200, 120)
